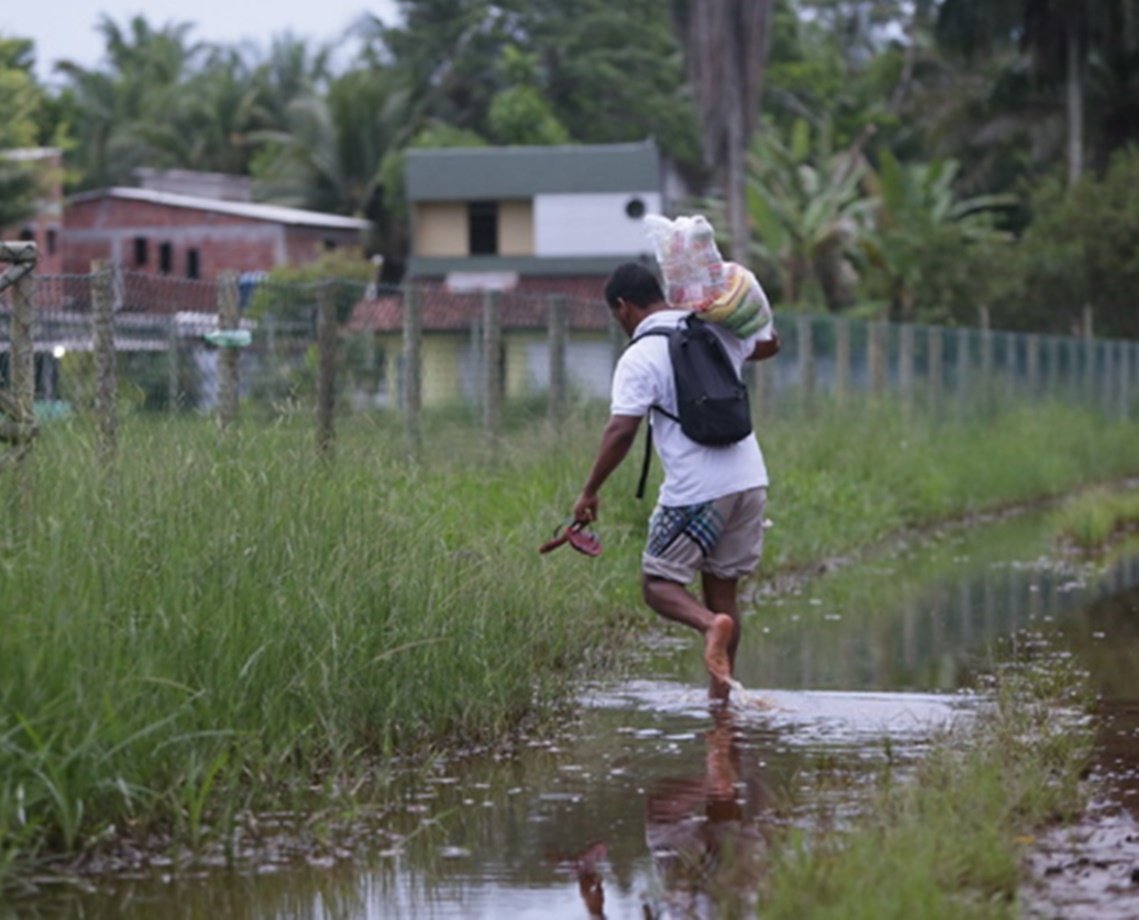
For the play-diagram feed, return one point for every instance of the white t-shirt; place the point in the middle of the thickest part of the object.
(693, 473)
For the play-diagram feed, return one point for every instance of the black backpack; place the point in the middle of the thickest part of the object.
(711, 400)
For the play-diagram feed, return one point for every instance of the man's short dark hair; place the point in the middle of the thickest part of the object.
(634, 283)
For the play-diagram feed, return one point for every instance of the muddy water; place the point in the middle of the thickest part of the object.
(653, 804)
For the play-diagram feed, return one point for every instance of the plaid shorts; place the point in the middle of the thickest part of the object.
(723, 537)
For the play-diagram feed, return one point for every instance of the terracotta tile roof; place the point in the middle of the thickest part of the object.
(522, 308)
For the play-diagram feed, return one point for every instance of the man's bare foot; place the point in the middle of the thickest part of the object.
(716, 658)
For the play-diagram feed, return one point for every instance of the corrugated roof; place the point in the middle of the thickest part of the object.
(496, 173)
(272, 213)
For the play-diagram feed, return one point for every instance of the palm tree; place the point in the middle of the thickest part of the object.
(1062, 39)
(727, 43)
(117, 107)
(917, 211)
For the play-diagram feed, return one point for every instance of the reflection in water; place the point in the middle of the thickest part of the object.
(586, 869)
(703, 832)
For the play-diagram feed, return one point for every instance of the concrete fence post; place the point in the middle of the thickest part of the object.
(936, 370)
(806, 358)
(964, 366)
(326, 346)
(1052, 377)
(412, 382)
(103, 308)
(1032, 364)
(557, 337)
(493, 366)
(906, 363)
(173, 369)
(841, 358)
(876, 356)
(228, 321)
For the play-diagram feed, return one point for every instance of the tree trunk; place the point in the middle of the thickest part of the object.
(1075, 108)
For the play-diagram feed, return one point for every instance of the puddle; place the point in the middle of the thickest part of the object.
(654, 804)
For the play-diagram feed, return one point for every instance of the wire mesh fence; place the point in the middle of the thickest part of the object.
(117, 342)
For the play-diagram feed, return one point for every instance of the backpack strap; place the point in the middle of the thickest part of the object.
(648, 426)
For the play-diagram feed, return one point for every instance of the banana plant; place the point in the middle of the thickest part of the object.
(918, 210)
(808, 210)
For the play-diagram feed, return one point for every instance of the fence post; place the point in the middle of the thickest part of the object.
(1087, 385)
(963, 366)
(19, 428)
(558, 330)
(493, 383)
(761, 388)
(173, 372)
(1032, 363)
(906, 362)
(103, 343)
(326, 342)
(841, 358)
(1052, 378)
(228, 320)
(936, 365)
(806, 359)
(876, 357)
(1129, 373)
(412, 362)
(986, 347)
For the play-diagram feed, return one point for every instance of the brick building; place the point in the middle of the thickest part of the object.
(186, 236)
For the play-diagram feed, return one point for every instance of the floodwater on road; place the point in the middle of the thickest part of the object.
(654, 804)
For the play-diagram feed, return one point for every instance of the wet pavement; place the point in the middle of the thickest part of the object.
(653, 804)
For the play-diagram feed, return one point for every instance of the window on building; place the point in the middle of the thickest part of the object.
(482, 228)
(51, 241)
(329, 243)
(28, 235)
(141, 251)
(165, 258)
(193, 266)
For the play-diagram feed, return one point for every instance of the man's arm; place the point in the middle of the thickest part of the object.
(618, 436)
(765, 349)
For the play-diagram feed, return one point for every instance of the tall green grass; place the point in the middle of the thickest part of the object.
(225, 623)
(1092, 519)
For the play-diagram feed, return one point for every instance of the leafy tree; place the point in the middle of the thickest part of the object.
(21, 101)
(1064, 41)
(518, 114)
(1079, 250)
(119, 111)
(919, 214)
(809, 212)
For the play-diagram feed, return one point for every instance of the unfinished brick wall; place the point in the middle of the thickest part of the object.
(183, 242)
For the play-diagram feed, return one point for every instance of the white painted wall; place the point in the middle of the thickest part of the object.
(591, 224)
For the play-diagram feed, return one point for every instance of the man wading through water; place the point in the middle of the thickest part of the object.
(709, 512)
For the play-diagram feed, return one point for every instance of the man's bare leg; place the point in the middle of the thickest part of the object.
(673, 601)
(720, 594)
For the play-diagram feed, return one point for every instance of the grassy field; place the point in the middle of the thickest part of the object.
(227, 623)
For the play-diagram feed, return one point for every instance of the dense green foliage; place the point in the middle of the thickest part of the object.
(964, 153)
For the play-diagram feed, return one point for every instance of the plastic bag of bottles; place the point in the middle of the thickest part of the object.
(689, 260)
(697, 278)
